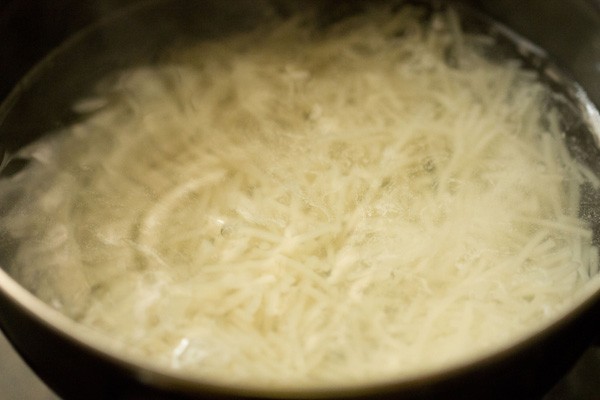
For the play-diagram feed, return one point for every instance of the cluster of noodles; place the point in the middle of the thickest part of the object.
(301, 206)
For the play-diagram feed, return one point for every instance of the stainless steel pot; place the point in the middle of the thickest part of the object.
(77, 363)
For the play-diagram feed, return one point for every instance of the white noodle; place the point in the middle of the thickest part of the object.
(294, 207)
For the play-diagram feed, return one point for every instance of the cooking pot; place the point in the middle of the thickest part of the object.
(42, 37)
